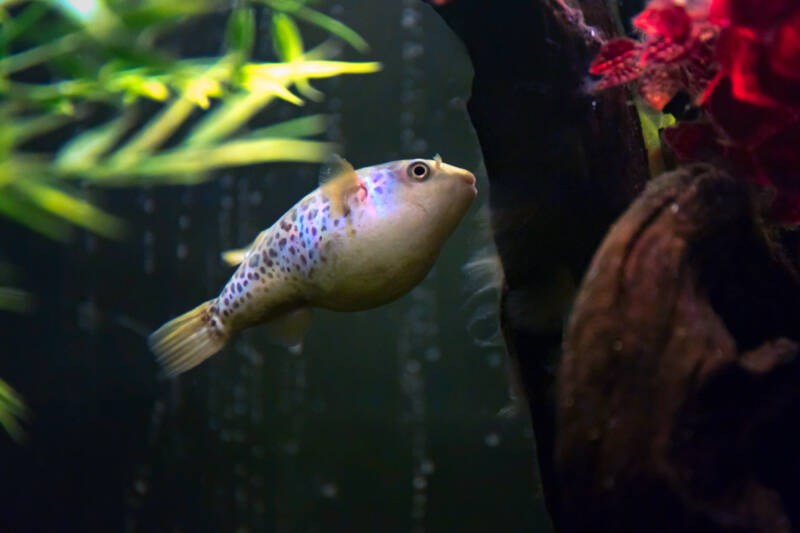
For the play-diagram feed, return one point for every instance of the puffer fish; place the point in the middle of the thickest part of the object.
(362, 239)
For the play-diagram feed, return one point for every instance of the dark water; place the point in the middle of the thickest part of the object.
(387, 422)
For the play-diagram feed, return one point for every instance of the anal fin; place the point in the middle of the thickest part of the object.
(290, 328)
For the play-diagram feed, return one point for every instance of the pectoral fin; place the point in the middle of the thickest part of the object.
(289, 329)
(234, 257)
(338, 181)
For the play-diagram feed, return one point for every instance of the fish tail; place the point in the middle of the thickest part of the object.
(188, 340)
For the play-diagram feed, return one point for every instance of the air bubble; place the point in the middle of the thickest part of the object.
(409, 18)
(433, 354)
(492, 440)
(412, 50)
(329, 490)
(494, 359)
(419, 146)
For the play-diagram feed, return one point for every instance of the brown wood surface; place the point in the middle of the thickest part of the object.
(673, 403)
(679, 384)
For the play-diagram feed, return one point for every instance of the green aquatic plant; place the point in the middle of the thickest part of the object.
(103, 60)
(653, 123)
(13, 412)
(79, 80)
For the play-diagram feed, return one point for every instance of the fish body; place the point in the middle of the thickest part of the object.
(360, 240)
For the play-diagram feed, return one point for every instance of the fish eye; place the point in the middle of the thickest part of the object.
(418, 170)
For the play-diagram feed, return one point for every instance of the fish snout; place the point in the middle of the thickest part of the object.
(469, 179)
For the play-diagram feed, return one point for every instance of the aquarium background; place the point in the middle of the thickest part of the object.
(388, 421)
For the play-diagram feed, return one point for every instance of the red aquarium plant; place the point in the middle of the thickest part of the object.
(739, 61)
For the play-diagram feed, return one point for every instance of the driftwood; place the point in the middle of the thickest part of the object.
(679, 387)
(562, 166)
(677, 395)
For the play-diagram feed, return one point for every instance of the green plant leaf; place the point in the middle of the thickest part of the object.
(286, 39)
(29, 215)
(85, 150)
(194, 160)
(298, 127)
(15, 300)
(241, 30)
(652, 122)
(12, 411)
(22, 22)
(320, 19)
(70, 208)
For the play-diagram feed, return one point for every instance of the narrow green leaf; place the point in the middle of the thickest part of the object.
(25, 129)
(70, 208)
(16, 300)
(12, 411)
(233, 153)
(320, 19)
(39, 54)
(286, 39)
(289, 72)
(298, 127)
(84, 150)
(334, 26)
(652, 122)
(21, 22)
(241, 30)
(32, 217)
(225, 119)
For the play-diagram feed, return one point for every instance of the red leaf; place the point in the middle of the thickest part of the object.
(719, 12)
(658, 85)
(754, 14)
(662, 51)
(671, 22)
(613, 55)
(784, 54)
(744, 123)
(692, 141)
(779, 158)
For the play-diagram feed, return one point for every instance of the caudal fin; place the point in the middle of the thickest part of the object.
(188, 340)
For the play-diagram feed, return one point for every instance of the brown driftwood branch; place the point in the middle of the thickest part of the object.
(679, 387)
(562, 165)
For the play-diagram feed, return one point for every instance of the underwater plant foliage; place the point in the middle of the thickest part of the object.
(388, 419)
(77, 72)
(737, 62)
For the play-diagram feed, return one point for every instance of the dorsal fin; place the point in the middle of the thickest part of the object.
(338, 180)
(334, 167)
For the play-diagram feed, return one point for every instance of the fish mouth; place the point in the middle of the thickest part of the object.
(469, 179)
